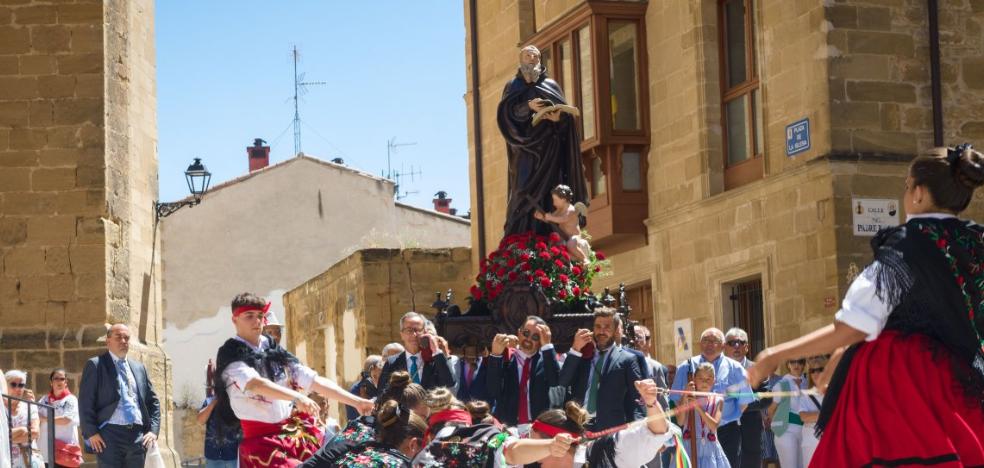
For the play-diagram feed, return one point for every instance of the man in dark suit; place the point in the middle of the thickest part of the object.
(432, 373)
(603, 368)
(519, 378)
(471, 373)
(119, 411)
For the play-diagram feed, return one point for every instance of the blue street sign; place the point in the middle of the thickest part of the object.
(798, 137)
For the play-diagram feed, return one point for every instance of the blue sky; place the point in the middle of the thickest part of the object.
(393, 68)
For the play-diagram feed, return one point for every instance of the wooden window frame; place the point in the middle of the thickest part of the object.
(753, 168)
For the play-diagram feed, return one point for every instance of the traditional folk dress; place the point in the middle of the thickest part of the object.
(273, 434)
(913, 392)
(358, 431)
(373, 454)
(710, 453)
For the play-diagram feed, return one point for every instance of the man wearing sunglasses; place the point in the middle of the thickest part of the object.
(736, 347)
(521, 370)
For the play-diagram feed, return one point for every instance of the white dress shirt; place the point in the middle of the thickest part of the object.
(131, 394)
(252, 407)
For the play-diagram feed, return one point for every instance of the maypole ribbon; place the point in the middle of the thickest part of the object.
(729, 392)
(734, 394)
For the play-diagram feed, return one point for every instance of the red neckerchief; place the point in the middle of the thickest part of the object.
(52, 398)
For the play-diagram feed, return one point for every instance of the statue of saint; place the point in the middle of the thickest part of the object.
(541, 156)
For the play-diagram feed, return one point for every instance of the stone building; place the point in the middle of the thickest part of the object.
(353, 309)
(78, 182)
(728, 143)
(267, 232)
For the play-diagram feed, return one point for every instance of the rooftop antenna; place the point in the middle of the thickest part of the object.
(300, 88)
(391, 147)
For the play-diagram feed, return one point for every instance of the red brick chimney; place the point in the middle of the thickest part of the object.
(442, 203)
(259, 155)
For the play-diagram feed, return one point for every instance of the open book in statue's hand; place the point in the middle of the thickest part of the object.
(551, 107)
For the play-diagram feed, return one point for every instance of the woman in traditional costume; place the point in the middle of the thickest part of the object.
(910, 387)
(399, 436)
(365, 428)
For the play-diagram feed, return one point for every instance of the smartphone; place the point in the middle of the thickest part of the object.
(587, 352)
(425, 348)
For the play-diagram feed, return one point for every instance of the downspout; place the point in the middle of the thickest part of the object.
(934, 71)
(477, 130)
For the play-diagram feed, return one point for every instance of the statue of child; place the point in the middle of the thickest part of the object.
(565, 216)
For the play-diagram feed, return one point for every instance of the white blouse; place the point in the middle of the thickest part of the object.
(253, 407)
(862, 309)
(68, 433)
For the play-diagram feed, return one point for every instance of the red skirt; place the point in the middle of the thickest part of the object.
(279, 445)
(901, 407)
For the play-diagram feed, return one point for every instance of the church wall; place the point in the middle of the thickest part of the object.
(78, 178)
(858, 69)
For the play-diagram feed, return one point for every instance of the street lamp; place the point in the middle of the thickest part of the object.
(198, 179)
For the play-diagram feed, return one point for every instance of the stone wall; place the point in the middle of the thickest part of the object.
(353, 309)
(858, 69)
(78, 178)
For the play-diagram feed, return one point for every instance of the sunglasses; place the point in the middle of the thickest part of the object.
(736, 343)
(526, 334)
(18, 385)
(817, 370)
(59, 379)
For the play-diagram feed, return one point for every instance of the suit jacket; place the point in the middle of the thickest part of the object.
(436, 373)
(478, 390)
(618, 376)
(503, 384)
(99, 394)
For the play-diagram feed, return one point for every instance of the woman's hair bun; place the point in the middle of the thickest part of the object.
(399, 380)
(440, 399)
(969, 168)
(575, 413)
(389, 413)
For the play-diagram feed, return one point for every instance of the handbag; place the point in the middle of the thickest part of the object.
(67, 454)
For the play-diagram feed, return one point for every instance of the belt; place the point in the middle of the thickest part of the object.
(128, 426)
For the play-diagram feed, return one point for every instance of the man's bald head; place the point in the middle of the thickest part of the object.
(711, 343)
(118, 339)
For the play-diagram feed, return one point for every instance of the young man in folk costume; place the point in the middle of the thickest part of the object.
(264, 388)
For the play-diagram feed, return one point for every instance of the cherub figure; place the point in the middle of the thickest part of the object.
(565, 216)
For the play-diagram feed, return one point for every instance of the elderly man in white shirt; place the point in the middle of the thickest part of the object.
(265, 388)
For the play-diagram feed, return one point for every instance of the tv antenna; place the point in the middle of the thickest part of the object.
(300, 89)
(397, 177)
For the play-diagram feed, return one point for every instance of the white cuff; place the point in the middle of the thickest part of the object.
(574, 352)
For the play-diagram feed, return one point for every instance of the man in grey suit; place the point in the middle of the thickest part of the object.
(119, 411)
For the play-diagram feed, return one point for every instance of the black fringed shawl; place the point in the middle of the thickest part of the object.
(930, 273)
(270, 363)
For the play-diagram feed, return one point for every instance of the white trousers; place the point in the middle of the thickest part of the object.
(809, 445)
(789, 447)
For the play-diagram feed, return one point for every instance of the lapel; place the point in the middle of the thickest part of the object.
(138, 378)
(109, 370)
(401, 362)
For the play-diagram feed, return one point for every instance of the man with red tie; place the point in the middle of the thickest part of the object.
(519, 378)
